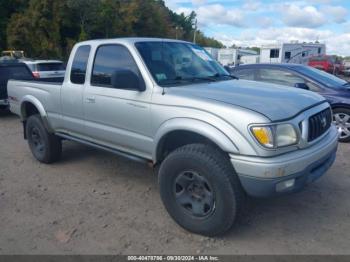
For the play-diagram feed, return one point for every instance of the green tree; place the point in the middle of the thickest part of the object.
(38, 29)
(85, 11)
(7, 9)
(150, 19)
(50, 28)
(202, 40)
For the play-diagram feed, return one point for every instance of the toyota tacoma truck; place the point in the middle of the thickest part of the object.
(215, 139)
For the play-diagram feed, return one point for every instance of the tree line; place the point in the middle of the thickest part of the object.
(50, 28)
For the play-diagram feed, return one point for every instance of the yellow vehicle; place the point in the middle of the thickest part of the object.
(13, 53)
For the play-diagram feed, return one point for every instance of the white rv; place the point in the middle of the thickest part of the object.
(232, 56)
(250, 59)
(294, 52)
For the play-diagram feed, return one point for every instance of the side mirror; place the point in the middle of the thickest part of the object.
(301, 86)
(127, 79)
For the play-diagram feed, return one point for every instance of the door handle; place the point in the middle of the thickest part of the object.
(90, 100)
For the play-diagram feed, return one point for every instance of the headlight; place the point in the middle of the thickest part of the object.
(285, 135)
(273, 136)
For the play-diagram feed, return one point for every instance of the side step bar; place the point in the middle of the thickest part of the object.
(105, 148)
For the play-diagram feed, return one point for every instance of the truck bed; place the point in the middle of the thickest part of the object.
(47, 92)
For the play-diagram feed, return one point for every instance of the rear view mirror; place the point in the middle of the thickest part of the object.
(127, 79)
(301, 86)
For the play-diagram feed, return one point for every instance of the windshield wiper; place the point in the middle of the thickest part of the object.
(176, 80)
(224, 75)
(180, 80)
(195, 78)
(204, 78)
(212, 78)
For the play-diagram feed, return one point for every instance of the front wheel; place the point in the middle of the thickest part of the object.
(341, 119)
(200, 190)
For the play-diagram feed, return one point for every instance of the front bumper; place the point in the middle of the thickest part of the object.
(264, 177)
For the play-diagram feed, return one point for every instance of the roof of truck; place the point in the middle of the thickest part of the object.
(133, 40)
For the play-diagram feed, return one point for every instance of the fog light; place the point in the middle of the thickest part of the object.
(285, 185)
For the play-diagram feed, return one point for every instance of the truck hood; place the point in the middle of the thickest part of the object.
(276, 102)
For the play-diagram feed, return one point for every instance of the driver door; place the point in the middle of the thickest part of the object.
(117, 118)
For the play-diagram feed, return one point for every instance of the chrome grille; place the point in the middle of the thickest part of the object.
(319, 124)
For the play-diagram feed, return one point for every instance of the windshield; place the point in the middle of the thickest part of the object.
(50, 67)
(175, 63)
(321, 76)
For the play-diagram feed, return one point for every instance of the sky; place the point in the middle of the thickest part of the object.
(260, 22)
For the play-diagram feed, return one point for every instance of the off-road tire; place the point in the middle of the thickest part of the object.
(45, 147)
(213, 166)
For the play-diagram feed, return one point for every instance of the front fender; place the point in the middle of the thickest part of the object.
(197, 126)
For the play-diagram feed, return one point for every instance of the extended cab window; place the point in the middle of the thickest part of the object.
(78, 71)
(110, 58)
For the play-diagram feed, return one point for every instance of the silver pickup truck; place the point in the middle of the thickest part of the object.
(215, 138)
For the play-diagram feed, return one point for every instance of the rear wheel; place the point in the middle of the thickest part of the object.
(200, 189)
(45, 147)
(341, 119)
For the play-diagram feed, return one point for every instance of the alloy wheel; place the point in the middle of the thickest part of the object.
(342, 122)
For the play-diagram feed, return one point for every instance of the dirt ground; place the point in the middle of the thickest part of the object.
(93, 202)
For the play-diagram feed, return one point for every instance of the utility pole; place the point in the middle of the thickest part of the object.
(195, 32)
(176, 30)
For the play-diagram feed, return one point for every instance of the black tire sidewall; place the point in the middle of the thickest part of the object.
(35, 122)
(225, 203)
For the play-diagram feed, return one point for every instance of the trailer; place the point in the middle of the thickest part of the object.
(294, 52)
(250, 59)
(232, 56)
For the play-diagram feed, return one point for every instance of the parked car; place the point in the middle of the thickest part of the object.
(168, 103)
(46, 68)
(334, 89)
(11, 70)
(346, 70)
(327, 63)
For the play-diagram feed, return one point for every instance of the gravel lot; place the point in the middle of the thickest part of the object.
(93, 202)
